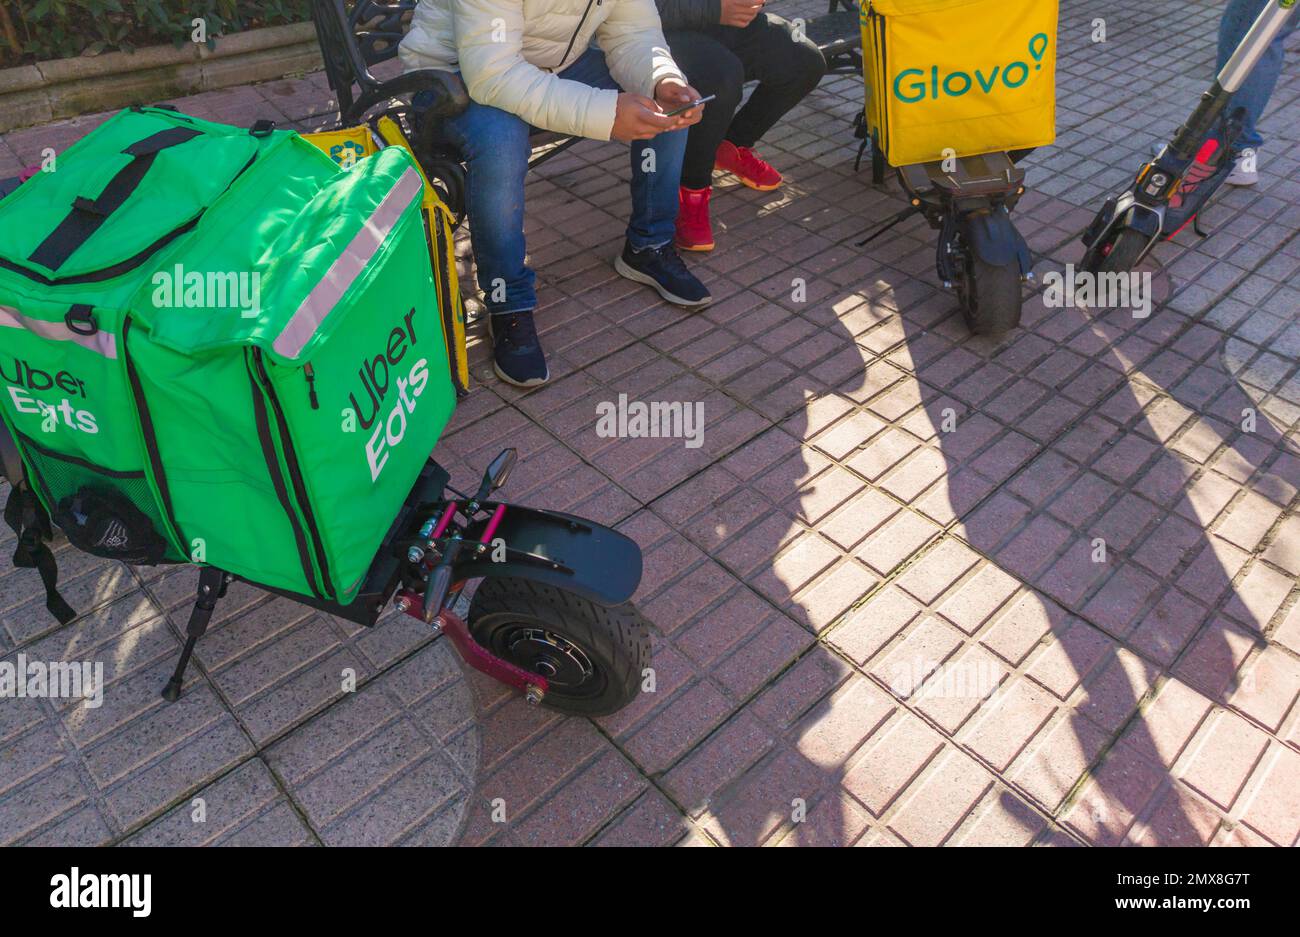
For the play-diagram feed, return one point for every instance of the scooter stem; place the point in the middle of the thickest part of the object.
(1254, 44)
(1192, 134)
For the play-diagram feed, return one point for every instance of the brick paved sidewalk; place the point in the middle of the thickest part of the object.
(879, 497)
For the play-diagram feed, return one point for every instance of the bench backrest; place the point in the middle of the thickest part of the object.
(356, 35)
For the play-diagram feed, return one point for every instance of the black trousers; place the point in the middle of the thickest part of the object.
(719, 60)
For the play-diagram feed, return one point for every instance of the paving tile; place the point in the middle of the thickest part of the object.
(1116, 689)
(1270, 807)
(1118, 791)
(891, 761)
(1222, 756)
(584, 805)
(1258, 596)
(765, 800)
(797, 689)
(971, 604)
(650, 821)
(720, 759)
(833, 821)
(1057, 760)
(1266, 687)
(924, 649)
(1001, 819)
(1211, 662)
(1176, 817)
(1167, 723)
(936, 803)
(1008, 721)
(1022, 626)
(833, 730)
(676, 728)
(245, 807)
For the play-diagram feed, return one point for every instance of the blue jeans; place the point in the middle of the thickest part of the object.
(495, 146)
(1238, 17)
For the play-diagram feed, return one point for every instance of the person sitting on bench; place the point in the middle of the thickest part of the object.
(722, 44)
(534, 65)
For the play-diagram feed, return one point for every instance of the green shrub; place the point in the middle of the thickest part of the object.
(34, 30)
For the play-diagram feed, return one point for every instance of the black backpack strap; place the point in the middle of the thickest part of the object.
(29, 522)
(11, 461)
(88, 215)
(25, 515)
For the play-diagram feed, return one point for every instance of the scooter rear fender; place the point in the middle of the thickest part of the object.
(994, 239)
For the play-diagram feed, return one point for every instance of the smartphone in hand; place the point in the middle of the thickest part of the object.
(698, 102)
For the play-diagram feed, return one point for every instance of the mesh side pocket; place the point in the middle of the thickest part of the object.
(104, 512)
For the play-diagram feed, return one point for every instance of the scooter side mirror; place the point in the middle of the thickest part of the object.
(498, 471)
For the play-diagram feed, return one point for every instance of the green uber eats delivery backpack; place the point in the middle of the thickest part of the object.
(217, 347)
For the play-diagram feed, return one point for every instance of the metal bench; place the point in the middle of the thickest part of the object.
(839, 36)
(357, 35)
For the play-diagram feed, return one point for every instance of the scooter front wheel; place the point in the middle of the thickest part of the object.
(593, 657)
(1121, 256)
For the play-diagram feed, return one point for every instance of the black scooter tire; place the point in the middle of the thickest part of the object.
(990, 297)
(1125, 252)
(614, 641)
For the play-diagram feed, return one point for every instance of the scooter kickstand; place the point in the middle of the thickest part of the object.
(212, 586)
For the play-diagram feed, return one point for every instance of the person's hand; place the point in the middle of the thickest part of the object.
(671, 94)
(740, 13)
(637, 117)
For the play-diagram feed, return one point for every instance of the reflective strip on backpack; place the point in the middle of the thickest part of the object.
(101, 343)
(326, 294)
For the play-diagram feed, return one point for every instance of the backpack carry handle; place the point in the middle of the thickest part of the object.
(88, 215)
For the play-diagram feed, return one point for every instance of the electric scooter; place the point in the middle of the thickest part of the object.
(1170, 191)
(550, 616)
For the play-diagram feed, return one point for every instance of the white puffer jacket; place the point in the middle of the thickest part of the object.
(509, 51)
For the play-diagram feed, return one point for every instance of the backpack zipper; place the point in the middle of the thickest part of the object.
(295, 474)
(151, 444)
(273, 468)
(310, 373)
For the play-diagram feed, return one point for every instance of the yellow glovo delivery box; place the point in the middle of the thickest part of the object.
(959, 77)
(350, 144)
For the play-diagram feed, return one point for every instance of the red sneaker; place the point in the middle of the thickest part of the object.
(694, 233)
(747, 166)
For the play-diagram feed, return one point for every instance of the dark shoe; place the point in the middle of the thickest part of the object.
(516, 350)
(662, 269)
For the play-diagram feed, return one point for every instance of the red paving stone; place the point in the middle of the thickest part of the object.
(916, 587)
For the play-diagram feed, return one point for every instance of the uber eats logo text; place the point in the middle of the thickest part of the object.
(29, 385)
(914, 85)
(379, 373)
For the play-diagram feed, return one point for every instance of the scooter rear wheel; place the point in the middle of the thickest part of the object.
(990, 296)
(592, 657)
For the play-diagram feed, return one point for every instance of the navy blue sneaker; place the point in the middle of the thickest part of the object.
(516, 350)
(661, 269)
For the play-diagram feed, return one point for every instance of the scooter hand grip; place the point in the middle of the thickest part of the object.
(436, 591)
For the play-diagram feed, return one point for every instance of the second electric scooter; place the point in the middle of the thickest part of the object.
(1171, 190)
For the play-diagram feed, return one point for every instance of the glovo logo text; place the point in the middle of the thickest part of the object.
(914, 85)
